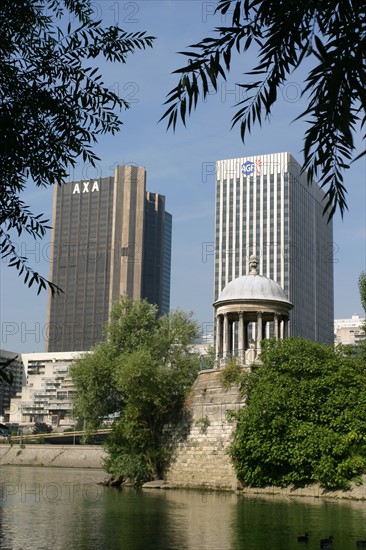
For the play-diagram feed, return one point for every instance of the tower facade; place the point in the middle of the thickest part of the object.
(265, 207)
(100, 250)
(157, 252)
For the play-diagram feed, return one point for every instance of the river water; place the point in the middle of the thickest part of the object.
(66, 509)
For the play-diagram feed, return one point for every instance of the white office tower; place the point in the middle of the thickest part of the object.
(264, 206)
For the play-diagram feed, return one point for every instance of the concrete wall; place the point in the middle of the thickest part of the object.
(200, 458)
(67, 456)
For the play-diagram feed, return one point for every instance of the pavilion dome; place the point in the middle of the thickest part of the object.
(252, 287)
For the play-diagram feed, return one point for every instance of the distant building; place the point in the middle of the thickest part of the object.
(265, 207)
(204, 347)
(157, 252)
(48, 393)
(7, 391)
(349, 331)
(109, 238)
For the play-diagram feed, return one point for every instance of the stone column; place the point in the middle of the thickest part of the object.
(259, 328)
(276, 326)
(226, 334)
(285, 328)
(231, 334)
(218, 336)
(241, 337)
(254, 332)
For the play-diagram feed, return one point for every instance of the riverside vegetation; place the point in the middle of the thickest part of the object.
(141, 376)
(305, 416)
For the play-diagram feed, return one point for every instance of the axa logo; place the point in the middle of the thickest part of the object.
(84, 187)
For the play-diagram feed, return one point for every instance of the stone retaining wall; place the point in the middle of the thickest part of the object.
(200, 459)
(64, 456)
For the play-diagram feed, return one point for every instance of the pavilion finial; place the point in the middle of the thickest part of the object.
(253, 263)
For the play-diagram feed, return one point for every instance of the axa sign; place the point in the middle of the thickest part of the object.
(85, 187)
(247, 168)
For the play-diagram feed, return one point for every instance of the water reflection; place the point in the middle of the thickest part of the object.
(275, 523)
(52, 509)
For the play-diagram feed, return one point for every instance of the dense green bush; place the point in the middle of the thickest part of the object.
(304, 419)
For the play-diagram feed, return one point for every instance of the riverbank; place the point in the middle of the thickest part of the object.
(91, 456)
(356, 492)
(61, 456)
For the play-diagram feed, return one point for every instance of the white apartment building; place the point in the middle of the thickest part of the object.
(264, 206)
(47, 395)
(349, 331)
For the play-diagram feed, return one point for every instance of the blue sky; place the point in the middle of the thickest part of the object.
(180, 165)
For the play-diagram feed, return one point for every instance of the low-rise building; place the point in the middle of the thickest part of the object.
(48, 393)
(349, 331)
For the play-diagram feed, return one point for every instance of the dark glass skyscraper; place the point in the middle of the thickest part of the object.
(110, 238)
(157, 252)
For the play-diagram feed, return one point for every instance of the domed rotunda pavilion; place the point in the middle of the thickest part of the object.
(249, 302)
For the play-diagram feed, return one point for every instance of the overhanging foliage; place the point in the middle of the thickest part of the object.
(331, 34)
(53, 105)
